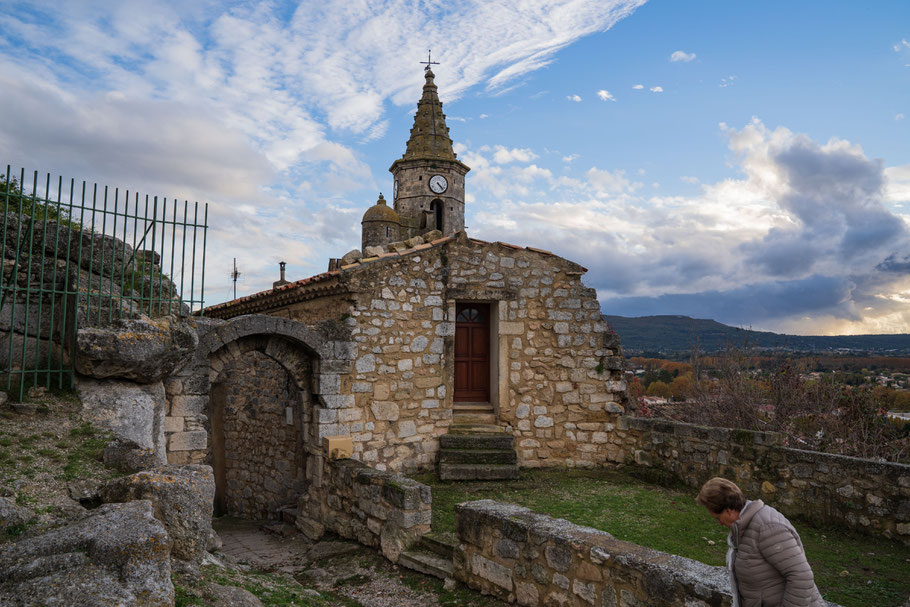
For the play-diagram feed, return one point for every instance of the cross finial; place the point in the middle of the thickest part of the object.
(429, 61)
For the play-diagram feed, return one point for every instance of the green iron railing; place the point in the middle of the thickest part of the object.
(76, 257)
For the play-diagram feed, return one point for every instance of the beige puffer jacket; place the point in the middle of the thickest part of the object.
(770, 564)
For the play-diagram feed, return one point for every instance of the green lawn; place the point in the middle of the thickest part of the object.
(670, 520)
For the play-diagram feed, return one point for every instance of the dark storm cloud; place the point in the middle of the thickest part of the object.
(748, 304)
(836, 195)
(895, 263)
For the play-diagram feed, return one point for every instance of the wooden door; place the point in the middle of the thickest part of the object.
(472, 353)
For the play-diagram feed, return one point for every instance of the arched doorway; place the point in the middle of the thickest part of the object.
(258, 410)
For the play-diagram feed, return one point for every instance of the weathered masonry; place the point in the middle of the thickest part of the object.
(443, 330)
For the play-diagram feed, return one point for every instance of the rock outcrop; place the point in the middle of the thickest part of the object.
(133, 412)
(141, 349)
(115, 556)
(181, 498)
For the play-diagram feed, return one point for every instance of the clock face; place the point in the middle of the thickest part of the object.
(395, 190)
(438, 184)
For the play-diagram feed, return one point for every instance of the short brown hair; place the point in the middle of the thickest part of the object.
(718, 494)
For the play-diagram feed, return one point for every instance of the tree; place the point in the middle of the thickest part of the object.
(681, 388)
(659, 388)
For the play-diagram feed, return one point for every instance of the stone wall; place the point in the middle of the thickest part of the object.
(379, 509)
(519, 556)
(870, 496)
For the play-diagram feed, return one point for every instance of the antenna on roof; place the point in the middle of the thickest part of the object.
(235, 274)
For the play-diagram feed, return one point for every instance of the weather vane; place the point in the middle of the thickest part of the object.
(428, 62)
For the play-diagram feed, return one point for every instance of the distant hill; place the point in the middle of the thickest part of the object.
(673, 334)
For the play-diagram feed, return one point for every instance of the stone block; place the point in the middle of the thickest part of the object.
(326, 416)
(182, 406)
(512, 328)
(349, 415)
(385, 410)
(543, 421)
(337, 401)
(327, 383)
(173, 424)
(365, 364)
(188, 441)
(406, 429)
(492, 572)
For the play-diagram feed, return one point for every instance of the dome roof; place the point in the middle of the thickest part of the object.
(380, 212)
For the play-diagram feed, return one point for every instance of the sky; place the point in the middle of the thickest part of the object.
(741, 161)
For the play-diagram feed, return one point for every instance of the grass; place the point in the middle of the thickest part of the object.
(273, 589)
(90, 443)
(669, 520)
(459, 596)
(35, 462)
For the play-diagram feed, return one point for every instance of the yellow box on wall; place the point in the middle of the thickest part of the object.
(337, 447)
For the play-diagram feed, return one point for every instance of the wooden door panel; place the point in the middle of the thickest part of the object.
(472, 353)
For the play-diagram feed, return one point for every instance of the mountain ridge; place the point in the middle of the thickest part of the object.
(670, 333)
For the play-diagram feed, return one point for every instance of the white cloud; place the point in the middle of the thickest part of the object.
(482, 116)
(638, 87)
(504, 155)
(689, 179)
(901, 45)
(574, 98)
(605, 95)
(610, 182)
(657, 89)
(725, 82)
(898, 116)
(683, 56)
(897, 185)
(570, 158)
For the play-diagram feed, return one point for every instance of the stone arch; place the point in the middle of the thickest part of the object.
(311, 361)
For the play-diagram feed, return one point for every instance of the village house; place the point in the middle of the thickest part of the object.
(444, 335)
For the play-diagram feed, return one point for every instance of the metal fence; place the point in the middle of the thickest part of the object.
(75, 255)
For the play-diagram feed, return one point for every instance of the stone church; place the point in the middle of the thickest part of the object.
(435, 334)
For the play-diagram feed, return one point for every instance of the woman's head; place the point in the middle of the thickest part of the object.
(719, 494)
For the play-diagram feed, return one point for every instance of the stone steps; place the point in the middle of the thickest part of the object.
(473, 413)
(441, 546)
(472, 451)
(460, 418)
(473, 427)
(478, 456)
(477, 472)
(476, 441)
(428, 563)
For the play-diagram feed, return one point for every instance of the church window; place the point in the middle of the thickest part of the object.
(388, 232)
(469, 315)
(436, 207)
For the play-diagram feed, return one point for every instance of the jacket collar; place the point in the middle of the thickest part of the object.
(745, 519)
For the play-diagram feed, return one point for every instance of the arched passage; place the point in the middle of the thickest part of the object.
(259, 412)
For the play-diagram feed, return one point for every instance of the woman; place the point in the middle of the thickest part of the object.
(767, 563)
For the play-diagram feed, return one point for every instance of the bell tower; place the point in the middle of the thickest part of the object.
(428, 190)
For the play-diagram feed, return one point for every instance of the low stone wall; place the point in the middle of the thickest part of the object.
(870, 496)
(379, 509)
(519, 556)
